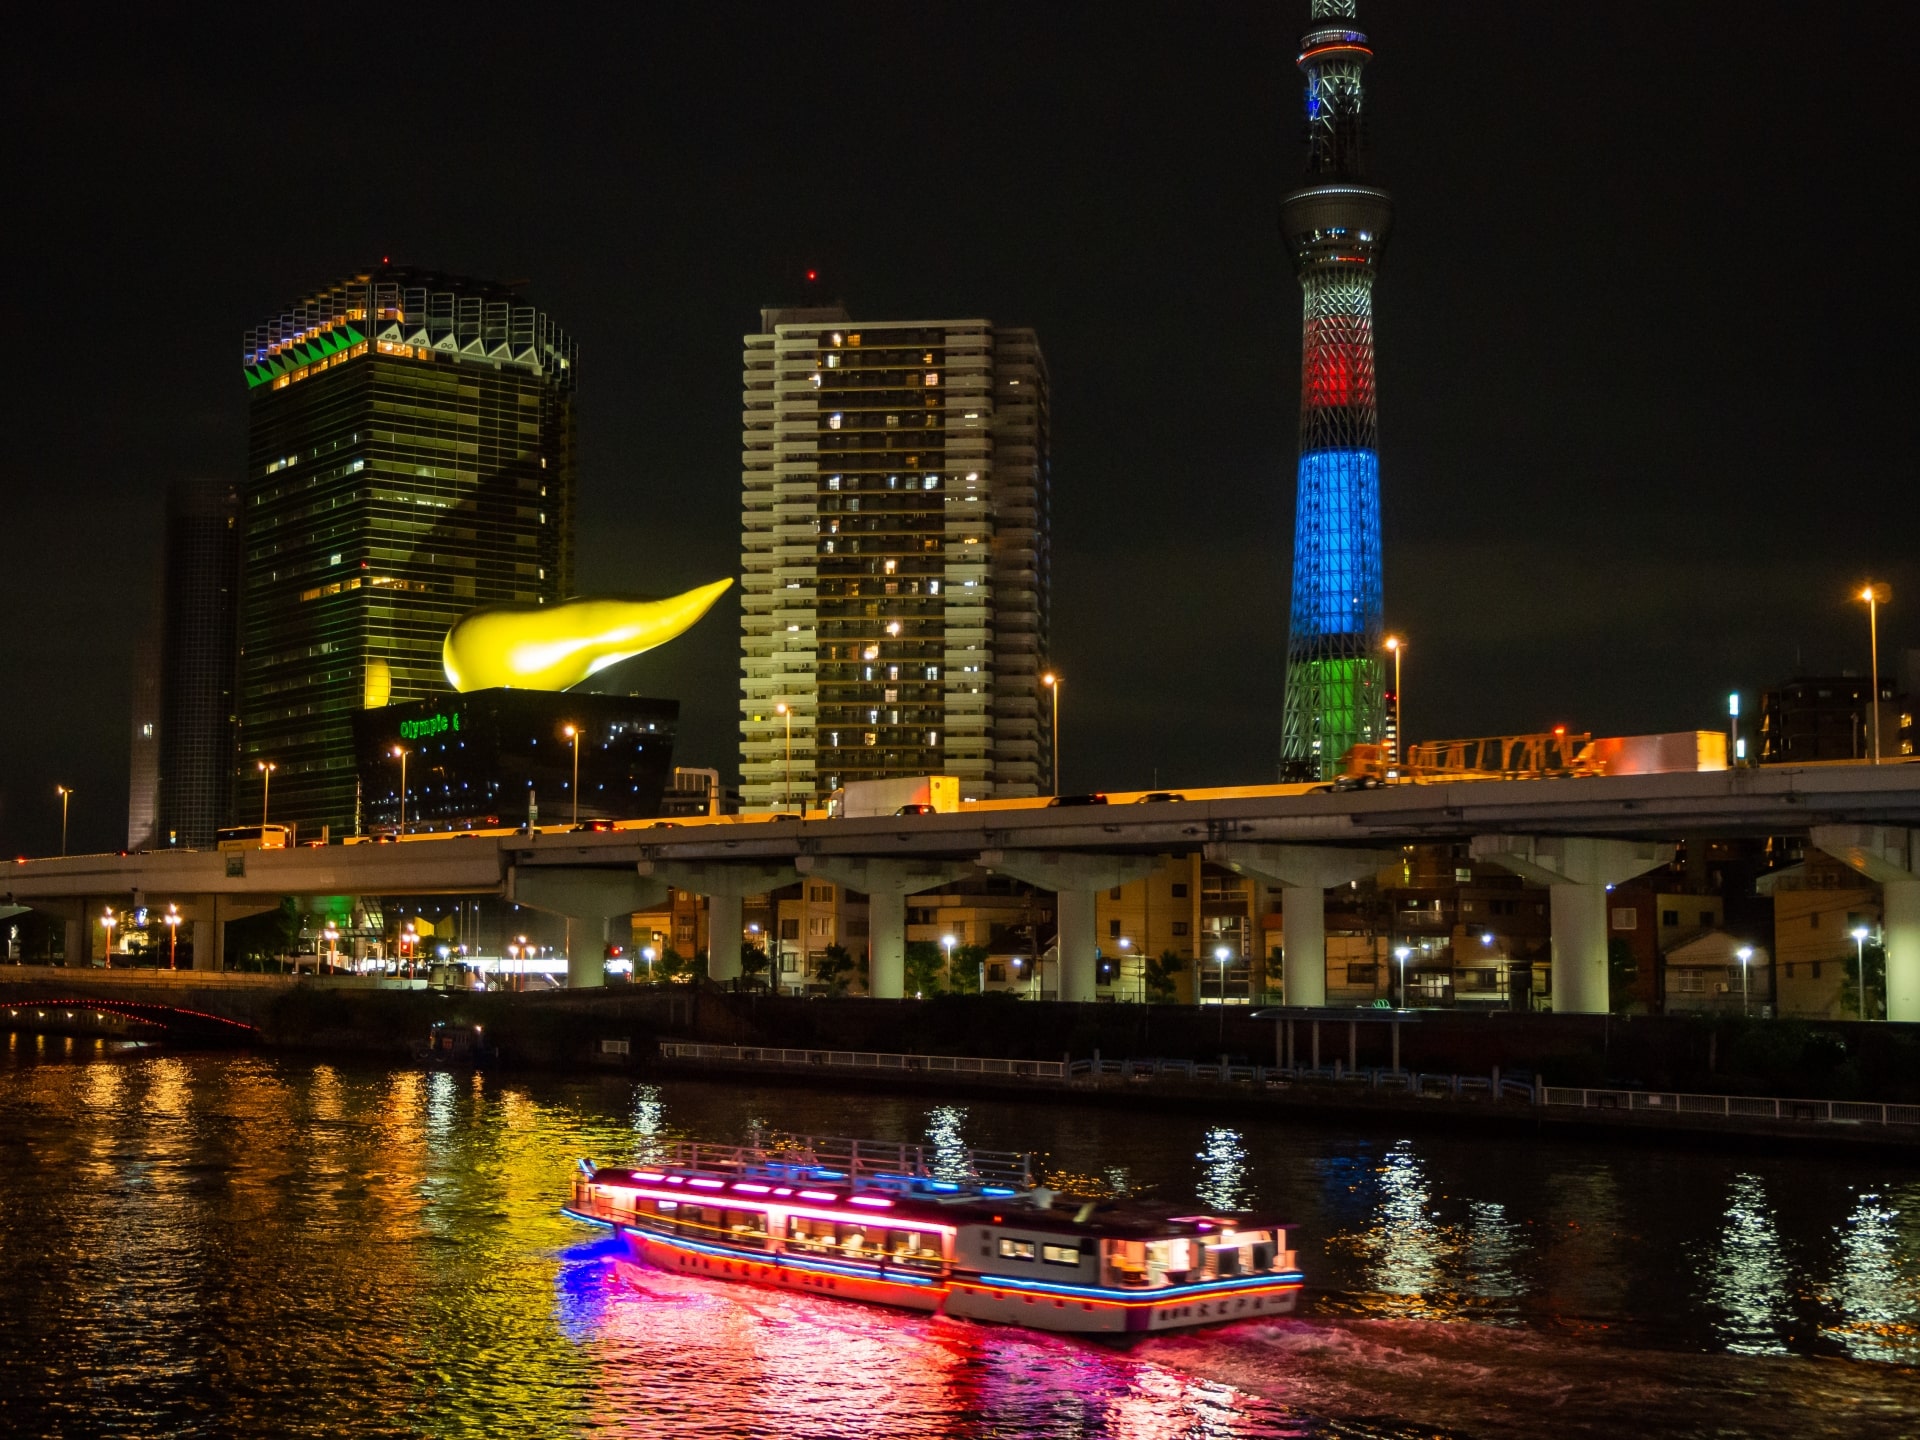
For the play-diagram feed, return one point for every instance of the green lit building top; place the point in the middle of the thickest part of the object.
(410, 458)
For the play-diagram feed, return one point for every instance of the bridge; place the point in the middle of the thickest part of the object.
(1576, 837)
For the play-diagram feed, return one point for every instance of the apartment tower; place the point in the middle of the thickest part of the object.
(895, 556)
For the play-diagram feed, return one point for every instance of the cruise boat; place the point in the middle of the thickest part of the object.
(967, 1234)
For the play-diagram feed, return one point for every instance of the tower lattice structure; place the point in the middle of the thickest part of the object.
(1335, 227)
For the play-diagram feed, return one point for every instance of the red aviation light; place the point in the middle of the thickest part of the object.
(812, 275)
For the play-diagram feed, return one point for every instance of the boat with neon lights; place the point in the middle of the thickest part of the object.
(967, 1235)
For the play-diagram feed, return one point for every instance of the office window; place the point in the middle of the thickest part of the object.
(1625, 917)
(1669, 917)
(1179, 927)
(1113, 929)
(1179, 892)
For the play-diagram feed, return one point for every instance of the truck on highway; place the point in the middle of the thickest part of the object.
(900, 794)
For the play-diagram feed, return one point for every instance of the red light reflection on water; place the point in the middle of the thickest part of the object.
(736, 1360)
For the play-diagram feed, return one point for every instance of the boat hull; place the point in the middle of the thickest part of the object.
(1067, 1311)
(784, 1272)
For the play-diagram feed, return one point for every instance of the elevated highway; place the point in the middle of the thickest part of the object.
(1574, 836)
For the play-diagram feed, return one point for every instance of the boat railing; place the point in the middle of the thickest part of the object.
(860, 1162)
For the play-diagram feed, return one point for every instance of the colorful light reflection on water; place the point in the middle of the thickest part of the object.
(214, 1246)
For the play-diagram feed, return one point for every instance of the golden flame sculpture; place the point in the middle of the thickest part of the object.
(550, 647)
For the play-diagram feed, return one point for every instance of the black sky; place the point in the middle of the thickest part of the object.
(1645, 326)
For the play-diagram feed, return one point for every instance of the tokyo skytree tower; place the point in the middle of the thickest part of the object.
(1335, 227)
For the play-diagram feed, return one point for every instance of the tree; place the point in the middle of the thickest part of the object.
(924, 962)
(670, 966)
(1160, 973)
(969, 964)
(265, 937)
(1873, 958)
(753, 962)
(833, 969)
(697, 968)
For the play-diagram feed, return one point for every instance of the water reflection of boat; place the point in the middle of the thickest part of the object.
(865, 1220)
(454, 1047)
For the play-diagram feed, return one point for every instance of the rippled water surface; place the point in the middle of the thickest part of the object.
(255, 1246)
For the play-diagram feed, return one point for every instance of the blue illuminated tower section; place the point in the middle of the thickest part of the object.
(1335, 227)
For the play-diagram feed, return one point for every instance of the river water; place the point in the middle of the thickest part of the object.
(251, 1245)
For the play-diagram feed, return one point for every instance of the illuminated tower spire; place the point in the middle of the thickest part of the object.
(1335, 228)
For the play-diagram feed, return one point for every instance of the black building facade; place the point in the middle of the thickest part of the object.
(411, 458)
(1831, 718)
(475, 761)
(200, 592)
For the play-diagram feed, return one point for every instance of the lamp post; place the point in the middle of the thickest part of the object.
(1401, 953)
(1053, 683)
(1876, 595)
(173, 934)
(65, 793)
(1745, 956)
(400, 754)
(107, 920)
(785, 711)
(1733, 727)
(1126, 949)
(646, 954)
(1223, 954)
(947, 943)
(266, 769)
(1395, 646)
(573, 736)
(1860, 934)
(332, 935)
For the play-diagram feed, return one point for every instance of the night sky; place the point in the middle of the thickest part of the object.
(1645, 326)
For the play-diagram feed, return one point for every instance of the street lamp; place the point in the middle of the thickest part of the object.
(573, 735)
(1745, 956)
(786, 785)
(1395, 647)
(947, 942)
(332, 934)
(1401, 953)
(1735, 755)
(1875, 594)
(400, 753)
(173, 934)
(1053, 683)
(1126, 949)
(65, 793)
(266, 769)
(646, 954)
(107, 920)
(1223, 954)
(1860, 934)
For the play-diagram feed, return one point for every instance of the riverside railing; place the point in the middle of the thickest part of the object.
(1421, 1084)
(1733, 1107)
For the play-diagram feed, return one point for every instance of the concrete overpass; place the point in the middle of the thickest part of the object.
(1575, 837)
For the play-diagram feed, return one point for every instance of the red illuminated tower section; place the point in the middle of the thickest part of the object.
(1335, 227)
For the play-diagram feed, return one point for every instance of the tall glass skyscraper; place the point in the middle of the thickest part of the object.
(896, 585)
(1335, 229)
(411, 458)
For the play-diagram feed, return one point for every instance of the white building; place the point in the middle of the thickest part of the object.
(895, 564)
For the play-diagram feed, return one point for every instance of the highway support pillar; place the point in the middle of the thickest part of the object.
(1304, 874)
(726, 886)
(598, 899)
(1889, 856)
(886, 884)
(1577, 871)
(1076, 882)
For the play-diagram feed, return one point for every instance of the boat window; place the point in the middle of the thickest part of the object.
(1016, 1249)
(913, 1247)
(747, 1227)
(1060, 1254)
